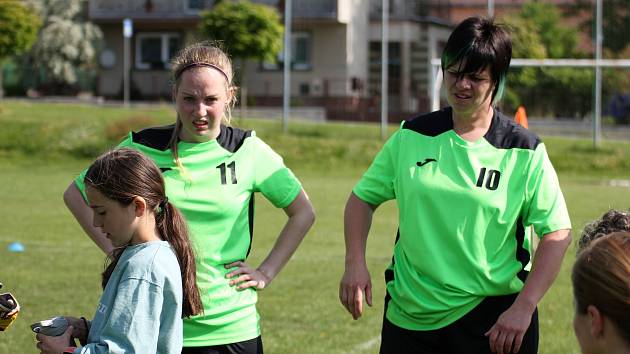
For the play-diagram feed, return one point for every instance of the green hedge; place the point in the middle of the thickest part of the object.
(84, 131)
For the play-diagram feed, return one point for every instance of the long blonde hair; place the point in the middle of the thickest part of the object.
(208, 54)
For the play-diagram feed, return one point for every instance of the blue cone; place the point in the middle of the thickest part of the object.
(16, 247)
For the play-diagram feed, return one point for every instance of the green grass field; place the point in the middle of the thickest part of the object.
(43, 146)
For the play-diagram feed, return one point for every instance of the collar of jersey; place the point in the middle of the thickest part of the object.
(479, 143)
(459, 141)
(188, 146)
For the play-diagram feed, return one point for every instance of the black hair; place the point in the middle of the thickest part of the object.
(477, 43)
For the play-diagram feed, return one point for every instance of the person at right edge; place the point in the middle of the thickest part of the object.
(467, 181)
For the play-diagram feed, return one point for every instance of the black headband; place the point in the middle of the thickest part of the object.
(201, 65)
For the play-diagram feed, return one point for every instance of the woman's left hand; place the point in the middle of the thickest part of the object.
(506, 335)
(244, 276)
(54, 345)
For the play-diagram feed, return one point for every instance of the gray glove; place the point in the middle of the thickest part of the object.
(53, 327)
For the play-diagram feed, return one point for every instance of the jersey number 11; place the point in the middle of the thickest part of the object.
(223, 168)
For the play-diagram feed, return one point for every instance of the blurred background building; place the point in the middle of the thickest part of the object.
(336, 54)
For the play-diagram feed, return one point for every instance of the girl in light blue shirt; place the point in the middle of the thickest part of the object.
(150, 282)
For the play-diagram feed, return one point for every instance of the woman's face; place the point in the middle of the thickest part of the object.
(200, 101)
(468, 93)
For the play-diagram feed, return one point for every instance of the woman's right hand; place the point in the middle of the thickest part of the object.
(355, 285)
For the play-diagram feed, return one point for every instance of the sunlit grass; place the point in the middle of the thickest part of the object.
(59, 271)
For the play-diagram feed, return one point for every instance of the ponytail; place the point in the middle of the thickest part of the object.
(172, 228)
(172, 144)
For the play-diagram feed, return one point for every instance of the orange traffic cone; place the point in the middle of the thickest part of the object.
(521, 117)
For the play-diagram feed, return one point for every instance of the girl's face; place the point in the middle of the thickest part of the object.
(200, 101)
(117, 221)
(470, 92)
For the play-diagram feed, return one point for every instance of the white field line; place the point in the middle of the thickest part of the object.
(362, 347)
(619, 183)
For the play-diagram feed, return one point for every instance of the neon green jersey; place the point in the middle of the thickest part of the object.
(463, 207)
(215, 193)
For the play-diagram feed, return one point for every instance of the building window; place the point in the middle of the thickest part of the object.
(394, 68)
(194, 6)
(305, 89)
(301, 51)
(301, 43)
(155, 50)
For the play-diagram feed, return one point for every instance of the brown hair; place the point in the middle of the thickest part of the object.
(202, 54)
(123, 174)
(601, 277)
(612, 221)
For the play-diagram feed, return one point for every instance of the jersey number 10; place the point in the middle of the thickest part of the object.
(492, 181)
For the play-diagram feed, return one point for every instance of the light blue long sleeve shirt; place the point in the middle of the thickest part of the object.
(141, 307)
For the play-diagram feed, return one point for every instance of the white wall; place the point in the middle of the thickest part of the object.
(328, 60)
(357, 54)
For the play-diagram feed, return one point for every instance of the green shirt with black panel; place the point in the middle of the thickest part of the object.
(464, 208)
(215, 193)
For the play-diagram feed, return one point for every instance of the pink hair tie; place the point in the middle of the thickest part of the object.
(201, 65)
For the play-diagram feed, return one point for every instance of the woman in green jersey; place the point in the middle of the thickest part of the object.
(601, 286)
(211, 171)
(468, 181)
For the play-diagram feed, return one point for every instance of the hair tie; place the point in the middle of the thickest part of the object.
(198, 65)
(162, 205)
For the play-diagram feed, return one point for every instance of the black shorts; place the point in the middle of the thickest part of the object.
(252, 346)
(465, 335)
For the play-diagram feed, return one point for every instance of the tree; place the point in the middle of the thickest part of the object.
(616, 45)
(18, 30)
(538, 32)
(247, 30)
(616, 26)
(616, 22)
(66, 43)
(559, 40)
